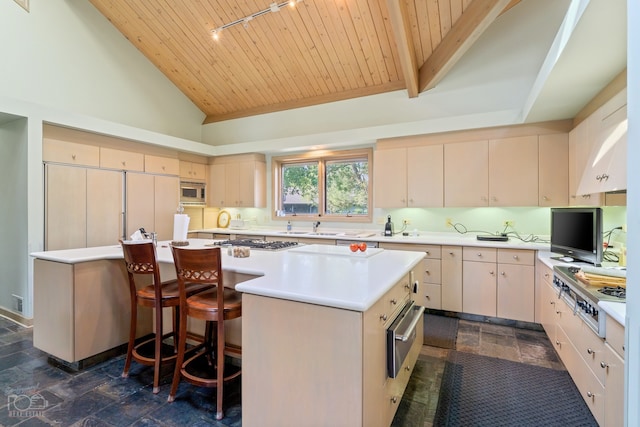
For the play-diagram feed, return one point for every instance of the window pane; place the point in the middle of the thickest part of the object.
(300, 188)
(347, 187)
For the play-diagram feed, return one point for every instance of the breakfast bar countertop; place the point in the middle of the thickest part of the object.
(338, 278)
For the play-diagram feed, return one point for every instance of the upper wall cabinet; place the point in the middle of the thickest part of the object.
(581, 143)
(408, 177)
(237, 181)
(606, 169)
(161, 165)
(121, 160)
(71, 153)
(466, 174)
(553, 175)
(192, 171)
(513, 171)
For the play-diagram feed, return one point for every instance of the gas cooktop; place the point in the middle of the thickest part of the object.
(595, 293)
(258, 244)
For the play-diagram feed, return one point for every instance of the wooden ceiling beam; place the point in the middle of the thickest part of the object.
(399, 19)
(472, 23)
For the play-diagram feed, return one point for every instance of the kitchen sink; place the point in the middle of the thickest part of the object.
(320, 233)
(294, 232)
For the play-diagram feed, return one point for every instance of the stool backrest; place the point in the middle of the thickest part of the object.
(140, 258)
(199, 266)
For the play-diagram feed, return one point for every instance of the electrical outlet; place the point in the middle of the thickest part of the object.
(509, 223)
(449, 222)
(406, 221)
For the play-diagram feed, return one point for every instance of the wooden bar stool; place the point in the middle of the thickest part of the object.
(140, 259)
(206, 368)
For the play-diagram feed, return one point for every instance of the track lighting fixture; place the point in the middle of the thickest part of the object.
(273, 7)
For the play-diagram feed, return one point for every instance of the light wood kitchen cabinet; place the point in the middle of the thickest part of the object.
(428, 272)
(499, 283)
(553, 174)
(613, 366)
(466, 174)
(161, 165)
(581, 143)
(513, 171)
(56, 151)
(349, 375)
(192, 171)
(547, 301)
(479, 281)
(121, 160)
(606, 168)
(451, 278)
(83, 207)
(237, 181)
(152, 201)
(409, 177)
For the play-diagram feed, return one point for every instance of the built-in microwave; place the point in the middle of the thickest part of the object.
(192, 193)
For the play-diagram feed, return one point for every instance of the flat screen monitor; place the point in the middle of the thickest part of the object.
(577, 233)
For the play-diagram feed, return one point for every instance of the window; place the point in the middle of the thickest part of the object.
(333, 185)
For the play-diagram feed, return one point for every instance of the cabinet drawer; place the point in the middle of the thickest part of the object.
(431, 296)
(386, 307)
(615, 335)
(121, 160)
(516, 256)
(470, 253)
(71, 153)
(161, 165)
(430, 251)
(431, 271)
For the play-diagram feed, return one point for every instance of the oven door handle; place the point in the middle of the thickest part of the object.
(409, 331)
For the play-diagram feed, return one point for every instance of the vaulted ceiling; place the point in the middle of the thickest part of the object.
(311, 52)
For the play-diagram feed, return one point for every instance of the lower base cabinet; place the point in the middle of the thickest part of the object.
(306, 362)
(595, 364)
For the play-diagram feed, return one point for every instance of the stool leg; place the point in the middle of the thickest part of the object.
(158, 349)
(220, 370)
(182, 343)
(132, 337)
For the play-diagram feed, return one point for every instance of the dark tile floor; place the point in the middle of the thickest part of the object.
(35, 393)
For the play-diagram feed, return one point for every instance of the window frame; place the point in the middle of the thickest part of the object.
(321, 157)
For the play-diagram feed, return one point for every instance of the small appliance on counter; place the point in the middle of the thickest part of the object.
(388, 227)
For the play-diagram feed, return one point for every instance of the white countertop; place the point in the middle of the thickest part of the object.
(424, 238)
(336, 277)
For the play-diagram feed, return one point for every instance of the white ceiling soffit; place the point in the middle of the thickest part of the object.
(590, 49)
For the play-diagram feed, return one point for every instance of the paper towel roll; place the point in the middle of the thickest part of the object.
(180, 227)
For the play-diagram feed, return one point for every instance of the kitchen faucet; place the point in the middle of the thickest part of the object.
(315, 226)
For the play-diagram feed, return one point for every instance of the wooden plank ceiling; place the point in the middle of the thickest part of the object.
(308, 53)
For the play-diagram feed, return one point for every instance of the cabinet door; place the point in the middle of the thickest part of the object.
(425, 176)
(121, 160)
(466, 174)
(479, 292)
(166, 200)
(232, 180)
(548, 301)
(553, 174)
(216, 187)
(71, 153)
(390, 178)
(140, 202)
(515, 292)
(581, 142)
(66, 202)
(105, 207)
(246, 184)
(614, 388)
(161, 165)
(451, 276)
(513, 171)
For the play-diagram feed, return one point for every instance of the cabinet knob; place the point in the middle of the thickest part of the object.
(557, 342)
(124, 163)
(407, 368)
(589, 394)
(383, 317)
(545, 198)
(451, 253)
(502, 273)
(427, 252)
(492, 273)
(73, 156)
(428, 297)
(552, 302)
(590, 351)
(515, 257)
(394, 399)
(546, 275)
(427, 272)
(394, 301)
(479, 254)
(604, 365)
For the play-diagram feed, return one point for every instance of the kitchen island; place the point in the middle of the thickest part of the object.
(313, 325)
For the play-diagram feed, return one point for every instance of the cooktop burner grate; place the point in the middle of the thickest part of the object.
(258, 244)
(617, 292)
